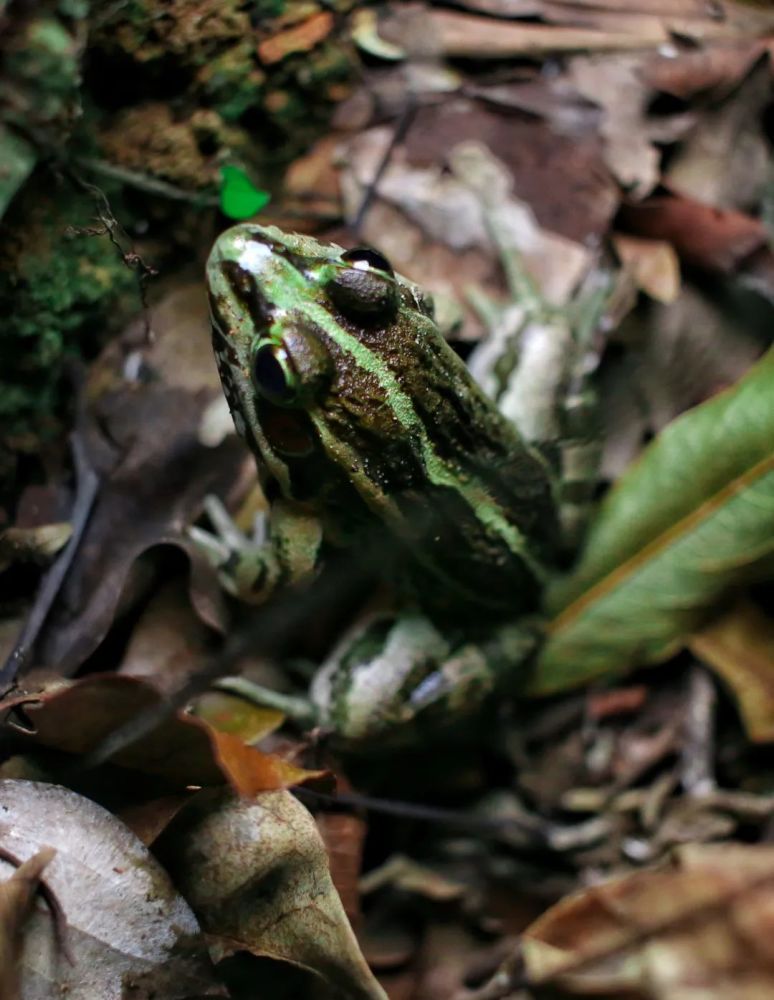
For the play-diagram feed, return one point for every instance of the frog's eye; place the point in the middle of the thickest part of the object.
(365, 258)
(365, 289)
(292, 371)
(272, 376)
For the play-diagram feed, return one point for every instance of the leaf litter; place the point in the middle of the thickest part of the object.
(608, 840)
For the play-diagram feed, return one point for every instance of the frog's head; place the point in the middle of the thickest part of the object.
(313, 343)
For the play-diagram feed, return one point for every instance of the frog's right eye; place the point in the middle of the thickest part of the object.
(292, 371)
(365, 289)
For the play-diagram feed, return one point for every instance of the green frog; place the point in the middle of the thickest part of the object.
(366, 426)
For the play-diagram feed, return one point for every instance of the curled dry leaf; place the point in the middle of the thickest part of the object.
(703, 927)
(256, 874)
(126, 926)
(16, 898)
(79, 717)
(739, 647)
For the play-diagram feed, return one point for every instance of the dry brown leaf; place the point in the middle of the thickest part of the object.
(78, 717)
(739, 646)
(411, 876)
(147, 820)
(152, 483)
(344, 835)
(724, 159)
(676, 356)
(577, 27)
(299, 38)
(703, 927)
(430, 224)
(702, 235)
(714, 69)
(505, 8)
(615, 84)
(250, 771)
(561, 177)
(458, 35)
(617, 701)
(652, 263)
(256, 873)
(169, 642)
(125, 923)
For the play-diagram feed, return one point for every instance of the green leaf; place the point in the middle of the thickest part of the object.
(239, 197)
(692, 517)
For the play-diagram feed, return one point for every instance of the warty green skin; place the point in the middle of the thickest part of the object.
(387, 432)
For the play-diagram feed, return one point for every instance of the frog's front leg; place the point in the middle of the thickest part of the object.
(253, 569)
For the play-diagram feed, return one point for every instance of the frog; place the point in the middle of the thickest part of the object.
(366, 424)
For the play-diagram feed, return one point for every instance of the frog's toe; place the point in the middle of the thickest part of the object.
(224, 525)
(213, 548)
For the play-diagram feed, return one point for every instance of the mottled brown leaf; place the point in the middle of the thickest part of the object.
(256, 874)
(124, 921)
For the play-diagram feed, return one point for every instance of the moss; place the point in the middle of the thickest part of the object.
(205, 54)
(61, 294)
(42, 60)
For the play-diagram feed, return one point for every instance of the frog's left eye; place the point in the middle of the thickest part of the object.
(272, 376)
(366, 288)
(292, 371)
